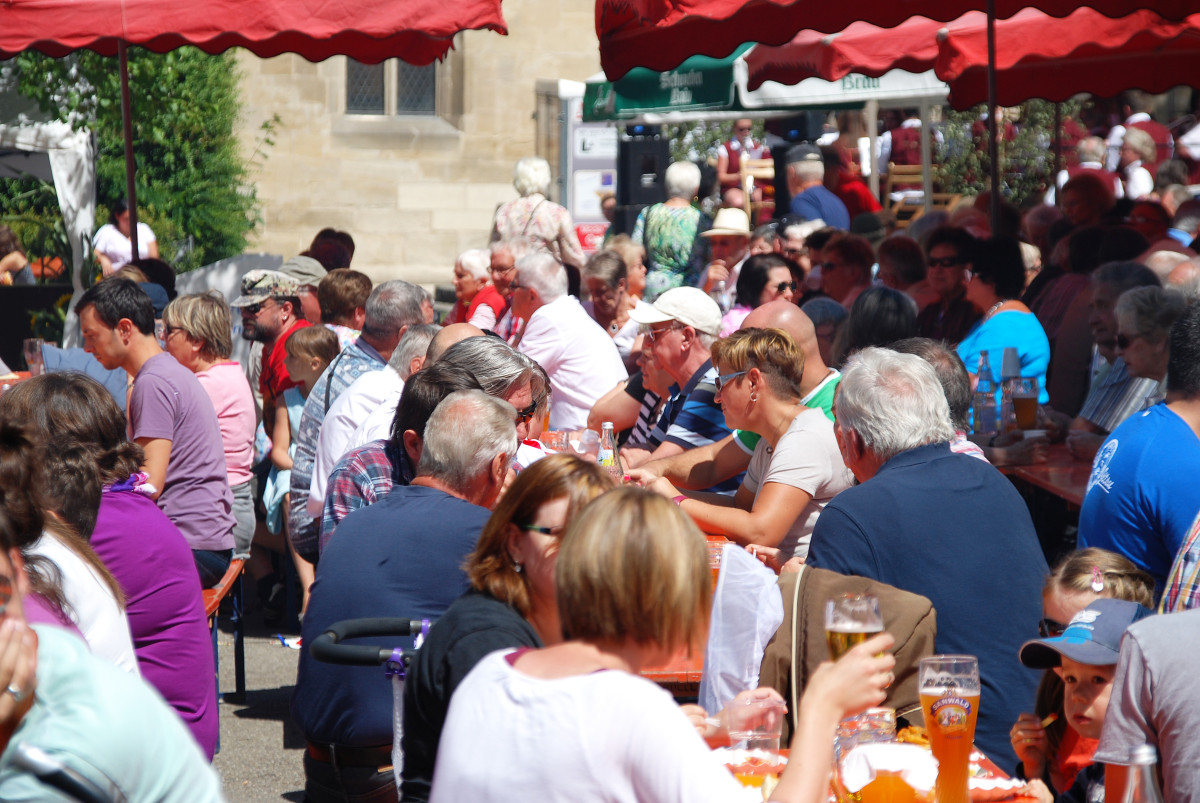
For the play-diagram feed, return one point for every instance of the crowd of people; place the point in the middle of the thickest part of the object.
(803, 389)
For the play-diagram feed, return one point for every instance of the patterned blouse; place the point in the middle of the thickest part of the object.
(542, 222)
(668, 233)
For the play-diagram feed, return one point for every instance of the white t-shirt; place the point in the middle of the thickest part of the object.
(348, 411)
(605, 736)
(116, 246)
(579, 357)
(94, 610)
(806, 457)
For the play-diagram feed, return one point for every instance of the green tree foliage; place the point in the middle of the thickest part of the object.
(192, 181)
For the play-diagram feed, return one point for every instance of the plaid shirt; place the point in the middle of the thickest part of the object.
(362, 477)
(1183, 583)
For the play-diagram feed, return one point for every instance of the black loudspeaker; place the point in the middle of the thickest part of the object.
(626, 217)
(803, 127)
(642, 168)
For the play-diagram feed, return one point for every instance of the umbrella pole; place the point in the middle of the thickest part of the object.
(993, 126)
(1057, 146)
(130, 167)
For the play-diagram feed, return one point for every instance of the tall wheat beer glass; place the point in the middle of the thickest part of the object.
(950, 701)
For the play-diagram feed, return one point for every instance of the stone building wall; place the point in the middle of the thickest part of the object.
(413, 191)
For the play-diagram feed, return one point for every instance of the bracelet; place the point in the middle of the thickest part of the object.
(678, 500)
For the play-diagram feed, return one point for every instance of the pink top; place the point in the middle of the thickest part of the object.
(226, 385)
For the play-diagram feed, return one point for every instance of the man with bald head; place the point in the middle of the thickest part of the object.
(709, 465)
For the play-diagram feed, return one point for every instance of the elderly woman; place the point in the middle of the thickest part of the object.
(573, 721)
(606, 281)
(197, 334)
(112, 246)
(479, 303)
(539, 221)
(635, 263)
(763, 278)
(512, 601)
(83, 445)
(669, 232)
(1145, 316)
(796, 467)
(996, 280)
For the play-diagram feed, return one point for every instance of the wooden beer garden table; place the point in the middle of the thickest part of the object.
(1061, 475)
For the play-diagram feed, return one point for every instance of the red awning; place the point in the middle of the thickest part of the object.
(417, 31)
(660, 34)
(1042, 57)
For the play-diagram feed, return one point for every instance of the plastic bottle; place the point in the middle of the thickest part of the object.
(721, 295)
(1142, 786)
(608, 457)
(983, 403)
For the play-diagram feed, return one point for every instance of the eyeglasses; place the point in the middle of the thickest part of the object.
(524, 416)
(795, 252)
(652, 334)
(782, 286)
(514, 286)
(494, 269)
(543, 530)
(1048, 628)
(945, 262)
(1123, 341)
(725, 379)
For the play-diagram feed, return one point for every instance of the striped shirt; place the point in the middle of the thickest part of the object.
(1115, 395)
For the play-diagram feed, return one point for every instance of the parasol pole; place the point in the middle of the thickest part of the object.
(993, 133)
(130, 167)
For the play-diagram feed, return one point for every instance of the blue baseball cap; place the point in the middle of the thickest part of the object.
(1093, 636)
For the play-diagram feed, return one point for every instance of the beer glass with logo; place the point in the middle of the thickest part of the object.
(851, 619)
(950, 701)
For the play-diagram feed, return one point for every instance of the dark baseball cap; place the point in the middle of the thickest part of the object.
(1093, 636)
(804, 153)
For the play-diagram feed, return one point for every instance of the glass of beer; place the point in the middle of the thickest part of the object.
(950, 701)
(851, 619)
(1025, 402)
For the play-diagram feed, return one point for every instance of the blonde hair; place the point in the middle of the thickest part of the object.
(313, 341)
(771, 351)
(1119, 578)
(633, 567)
(490, 567)
(203, 317)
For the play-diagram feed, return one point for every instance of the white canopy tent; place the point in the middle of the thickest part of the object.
(25, 150)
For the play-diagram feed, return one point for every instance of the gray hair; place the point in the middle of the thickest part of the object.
(532, 174)
(1151, 310)
(496, 366)
(893, 401)
(1141, 143)
(803, 229)
(1125, 276)
(807, 171)
(1091, 149)
(413, 343)
(476, 262)
(465, 433)
(516, 247)
(956, 382)
(543, 273)
(392, 306)
(682, 180)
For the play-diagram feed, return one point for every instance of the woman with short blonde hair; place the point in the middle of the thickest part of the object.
(796, 467)
(573, 721)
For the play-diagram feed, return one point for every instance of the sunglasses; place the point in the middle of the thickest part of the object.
(945, 262)
(1123, 341)
(1048, 628)
(652, 334)
(725, 379)
(524, 416)
(782, 286)
(543, 530)
(795, 252)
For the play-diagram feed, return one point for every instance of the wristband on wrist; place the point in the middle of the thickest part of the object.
(678, 500)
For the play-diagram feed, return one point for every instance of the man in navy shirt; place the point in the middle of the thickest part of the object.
(400, 557)
(806, 183)
(939, 524)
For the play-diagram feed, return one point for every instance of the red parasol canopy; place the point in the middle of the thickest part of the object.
(660, 34)
(1041, 57)
(417, 31)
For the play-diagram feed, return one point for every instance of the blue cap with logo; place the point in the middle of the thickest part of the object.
(1093, 636)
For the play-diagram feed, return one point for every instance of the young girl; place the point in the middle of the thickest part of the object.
(1054, 752)
(309, 352)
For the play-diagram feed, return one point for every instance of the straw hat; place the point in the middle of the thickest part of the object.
(729, 222)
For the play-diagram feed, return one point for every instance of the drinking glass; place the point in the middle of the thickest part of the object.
(33, 355)
(1025, 402)
(851, 619)
(949, 686)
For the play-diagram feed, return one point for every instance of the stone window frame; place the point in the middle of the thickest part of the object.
(445, 123)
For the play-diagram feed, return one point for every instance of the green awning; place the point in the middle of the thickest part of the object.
(698, 84)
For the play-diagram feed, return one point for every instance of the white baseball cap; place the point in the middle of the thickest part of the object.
(688, 305)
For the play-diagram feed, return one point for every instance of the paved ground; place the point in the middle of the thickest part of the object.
(260, 757)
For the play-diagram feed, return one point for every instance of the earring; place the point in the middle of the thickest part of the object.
(753, 396)
(517, 567)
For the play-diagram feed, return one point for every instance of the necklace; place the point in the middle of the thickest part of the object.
(995, 307)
